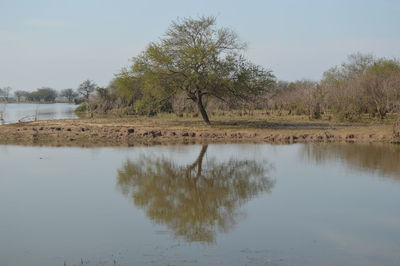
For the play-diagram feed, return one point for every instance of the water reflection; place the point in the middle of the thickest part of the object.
(194, 201)
(384, 159)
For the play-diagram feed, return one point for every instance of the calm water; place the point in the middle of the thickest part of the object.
(201, 205)
(12, 112)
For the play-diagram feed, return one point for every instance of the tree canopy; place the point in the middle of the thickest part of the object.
(201, 60)
(69, 94)
(86, 88)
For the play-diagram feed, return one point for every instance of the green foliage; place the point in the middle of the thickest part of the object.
(197, 58)
(127, 86)
(82, 108)
(140, 93)
(384, 67)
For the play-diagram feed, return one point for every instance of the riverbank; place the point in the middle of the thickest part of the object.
(169, 129)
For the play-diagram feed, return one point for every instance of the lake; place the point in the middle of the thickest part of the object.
(240, 204)
(14, 112)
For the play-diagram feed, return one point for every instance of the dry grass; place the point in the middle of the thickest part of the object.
(233, 121)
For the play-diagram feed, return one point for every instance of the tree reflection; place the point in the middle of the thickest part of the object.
(381, 158)
(195, 200)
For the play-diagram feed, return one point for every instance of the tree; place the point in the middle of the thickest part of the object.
(381, 86)
(364, 84)
(128, 86)
(5, 93)
(33, 96)
(355, 66)
(86, 88)
(69, 94)
(19, 94)
(305, 97)
(202, 61)
(46, 94)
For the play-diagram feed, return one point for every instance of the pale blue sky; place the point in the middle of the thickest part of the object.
(61, 43)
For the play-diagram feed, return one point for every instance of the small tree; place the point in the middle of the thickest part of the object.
(202, 61)
(86, 88)
(69, 94)
(5, 93)
(46, 94)
(19, 94)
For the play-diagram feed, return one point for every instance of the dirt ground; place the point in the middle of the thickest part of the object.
(135, 130)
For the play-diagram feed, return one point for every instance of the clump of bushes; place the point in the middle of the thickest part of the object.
(363, 85)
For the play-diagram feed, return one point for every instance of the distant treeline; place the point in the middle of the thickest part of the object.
(45, 94)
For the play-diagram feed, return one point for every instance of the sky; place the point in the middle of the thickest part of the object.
(61, 43)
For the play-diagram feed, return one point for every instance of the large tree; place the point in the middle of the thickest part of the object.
(201, 60)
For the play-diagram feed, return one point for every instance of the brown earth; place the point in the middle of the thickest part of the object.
(172, 130)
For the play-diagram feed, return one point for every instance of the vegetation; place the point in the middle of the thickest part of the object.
(44, 94)
(5, 93)
(86, 88)
(69, 94)
(200, 69)
(194, 60)
(201, 61)
(362, 85)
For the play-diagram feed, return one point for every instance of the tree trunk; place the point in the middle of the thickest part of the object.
(202, 110)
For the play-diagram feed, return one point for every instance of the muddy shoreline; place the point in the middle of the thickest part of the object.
(89, 133)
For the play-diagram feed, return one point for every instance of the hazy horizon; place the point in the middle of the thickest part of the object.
(60, 44)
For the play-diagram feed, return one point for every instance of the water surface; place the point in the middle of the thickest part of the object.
(201, 205)
(14, 112)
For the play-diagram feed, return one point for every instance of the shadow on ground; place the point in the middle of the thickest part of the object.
(240, 124)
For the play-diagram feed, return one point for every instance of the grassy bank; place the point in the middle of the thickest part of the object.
(168, 128)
